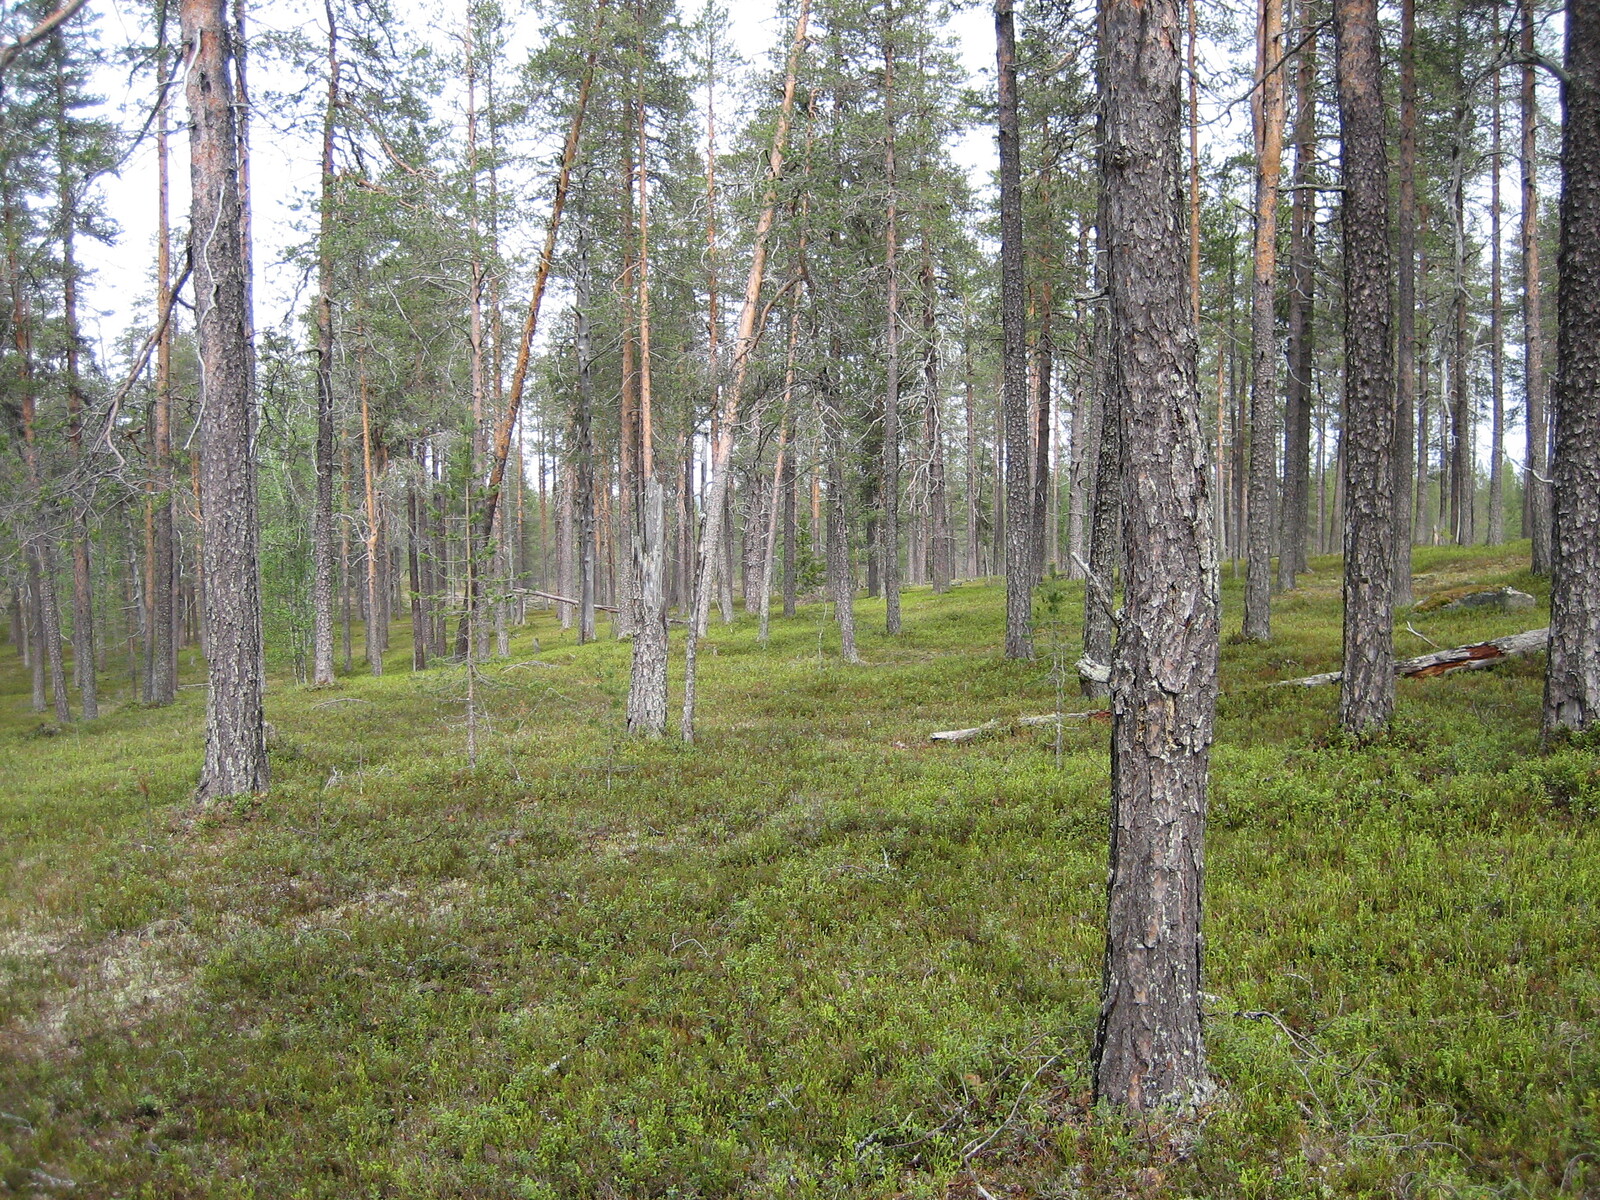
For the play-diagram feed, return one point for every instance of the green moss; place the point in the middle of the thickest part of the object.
(814, 955)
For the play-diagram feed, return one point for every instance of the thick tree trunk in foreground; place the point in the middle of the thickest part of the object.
(1268, 101)
(236, 754)
(1366, 697)
(1572, 686)
(1013, 354)
(1148, 1051)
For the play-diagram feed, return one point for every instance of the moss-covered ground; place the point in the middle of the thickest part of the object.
(812, 955)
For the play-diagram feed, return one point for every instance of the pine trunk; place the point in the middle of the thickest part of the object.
(1406, 309)
(1572, 686)
(322, 513)
(236, 757)
(1536, 472)
(1366, 696)
(1148, 1050)
(1013, 354)
(1497, 346)
(891, 377)
(1268, 102)
(1302, 308)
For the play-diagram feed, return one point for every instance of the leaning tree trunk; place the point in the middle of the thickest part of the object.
(1268, 102)
(1366, 695)
(1572, 685)
(1148, 1051)
(1013, 354)
(236, 753)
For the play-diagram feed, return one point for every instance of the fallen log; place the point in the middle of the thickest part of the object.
(962, 735)
(538, 595)
(1442, 662)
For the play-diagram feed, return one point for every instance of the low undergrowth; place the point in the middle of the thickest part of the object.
(814, 955)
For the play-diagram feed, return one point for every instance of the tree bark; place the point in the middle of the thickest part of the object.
(236, 757)
(1461, 453)
(647, 681)
(1267, 103)
(1302, 308)
(841, 573)
(374, 621)
(939, 540)
(322, 513)
(974, 475)
(83, 630)
(1536, 471)
(891, 392)
(1013, 354)
(1497, 344)
(1572, 685)
(1148, 1050)
(1406, 308)
(1366, 697)
(582, 466)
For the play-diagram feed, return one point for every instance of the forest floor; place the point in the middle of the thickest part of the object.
(813, 955)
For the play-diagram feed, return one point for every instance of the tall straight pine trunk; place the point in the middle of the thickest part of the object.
(1148, 1050)
(1572, 685)
(1267, 104)
(236, 756)
(1366, 694)
(1013, 352)
(1536, 461)
(322, 550)
(1406, 308)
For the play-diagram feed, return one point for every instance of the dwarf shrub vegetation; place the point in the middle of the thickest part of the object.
(814, 955)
